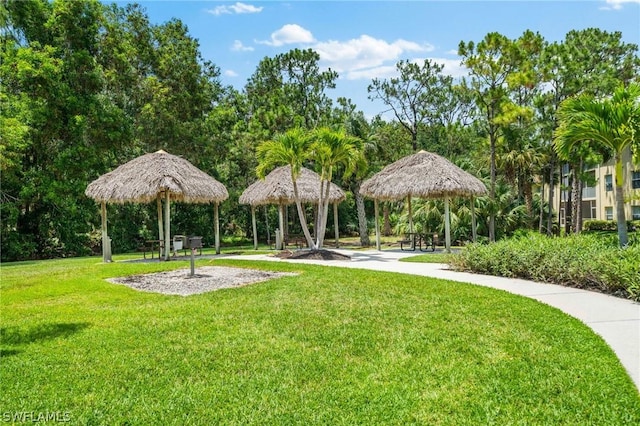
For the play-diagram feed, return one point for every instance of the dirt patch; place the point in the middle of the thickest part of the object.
(312, 255)
(205, 279)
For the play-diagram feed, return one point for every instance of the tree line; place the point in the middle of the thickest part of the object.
(88, 86)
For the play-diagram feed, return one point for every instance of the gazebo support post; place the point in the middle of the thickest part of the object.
(167, 230)
(375, 212)
(335, 224)
(253, 224)
(474, 232)
(413, 240)
(106, 246)
(216, 218)
(160, 226)
(447, 226)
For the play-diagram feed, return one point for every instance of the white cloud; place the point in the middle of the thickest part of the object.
(365, 52)
(239, 47)
(230, 73)
(237, 8)
(617, 4)
(451, 67)
(453, 52)
(289, 34)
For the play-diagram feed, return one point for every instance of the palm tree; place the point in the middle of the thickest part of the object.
(330, 150)
(290, 148)
(610, 126)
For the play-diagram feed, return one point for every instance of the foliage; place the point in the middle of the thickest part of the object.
(582, 261)
(87, 86)
(607, 126)
(316, 348)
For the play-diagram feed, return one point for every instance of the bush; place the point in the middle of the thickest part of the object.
(582, 261)
(609, 225)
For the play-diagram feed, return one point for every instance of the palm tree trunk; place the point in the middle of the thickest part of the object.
(386, 228)
(324, 215)
(552, 166)
(541, 215)
(623, 238)
(362, 216)
(303, 220)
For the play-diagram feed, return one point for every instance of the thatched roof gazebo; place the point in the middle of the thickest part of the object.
(277, 188)
(157, 176)
(422, 175)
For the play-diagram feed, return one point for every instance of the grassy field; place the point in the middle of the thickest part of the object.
(328, 346)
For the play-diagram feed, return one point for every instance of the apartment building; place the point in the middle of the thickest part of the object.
(598, 201)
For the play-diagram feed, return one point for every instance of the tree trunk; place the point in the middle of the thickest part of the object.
(541, 213)
(362, 216)
(552, 166)
(527, 190)
(303, 219)
(386, 228)
(567, 208)
(492, 189)
(576, 202)
(620, 217)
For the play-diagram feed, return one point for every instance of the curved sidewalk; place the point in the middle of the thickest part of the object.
(616, 320)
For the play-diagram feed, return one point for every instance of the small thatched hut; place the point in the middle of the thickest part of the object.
(157, 176)
(277, 188)
(423, 175)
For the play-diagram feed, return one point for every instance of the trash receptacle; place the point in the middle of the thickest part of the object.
(278, 240)
(178, 243)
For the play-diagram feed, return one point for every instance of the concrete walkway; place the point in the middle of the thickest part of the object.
(616, 320)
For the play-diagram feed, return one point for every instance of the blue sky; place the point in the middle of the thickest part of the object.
(364, 39)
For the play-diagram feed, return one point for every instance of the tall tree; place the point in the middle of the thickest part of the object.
(490, 64)
(289, 90)
(609, 125)
(414, 96)
(589, 61)
(291, 148)
(330, 151)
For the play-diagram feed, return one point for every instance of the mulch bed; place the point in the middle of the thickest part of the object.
(312, 255)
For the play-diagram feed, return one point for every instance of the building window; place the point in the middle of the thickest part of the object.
(635, 212)
(635, 179)
(608, 213)
(608, 183)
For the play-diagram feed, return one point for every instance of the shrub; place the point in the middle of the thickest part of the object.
(582, 261)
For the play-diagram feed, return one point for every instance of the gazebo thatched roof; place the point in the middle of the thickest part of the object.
(277, 188)
(144, 178)
(422, 175)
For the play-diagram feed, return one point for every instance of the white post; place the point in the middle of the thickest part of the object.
(375, 211)
(216, 218)
(413, 240)
(255, 227)
(447, 226)
(160, 227)
(106, 247)
(167, 230)
(335, 223)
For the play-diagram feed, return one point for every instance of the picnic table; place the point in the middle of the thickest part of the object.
(418, 240)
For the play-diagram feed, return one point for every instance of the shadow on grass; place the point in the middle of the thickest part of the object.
(41, 332)
(8, 352)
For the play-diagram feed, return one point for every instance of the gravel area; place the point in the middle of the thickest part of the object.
(206, 278)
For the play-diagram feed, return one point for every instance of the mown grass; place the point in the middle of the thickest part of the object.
(429, 258)
(328, 346)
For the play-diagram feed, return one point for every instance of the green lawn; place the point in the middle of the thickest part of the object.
(429, 258)
(329, 346)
